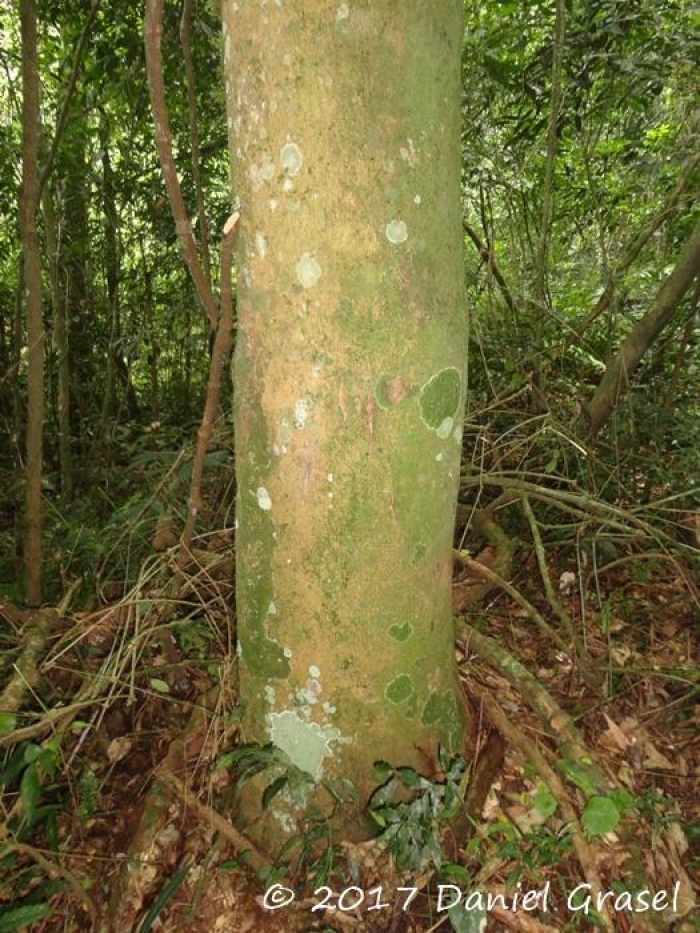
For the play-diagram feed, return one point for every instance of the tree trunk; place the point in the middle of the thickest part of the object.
(29, 203)
(619, 370)
(344, 124)
(60, 346)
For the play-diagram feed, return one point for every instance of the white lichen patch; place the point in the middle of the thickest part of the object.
(261, 244)
(408, 153)
(301, 413)
(306, 744)
(342, 12)
(264, 500)
(440, 457)
(287, 185)
(270, 695)
(264, 172)
(272, 609)
(416, 200)
(287, 652)
(273, 202)
(309, 693)
(445, 428)
(290, 157)
(314, 671)
(396, 231)
(308, 271)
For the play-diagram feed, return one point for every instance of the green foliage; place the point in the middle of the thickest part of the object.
(411, 829)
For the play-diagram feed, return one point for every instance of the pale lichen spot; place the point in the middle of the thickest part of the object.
(445, 428)
(261, 244)
(330, 477)
(308, 271)
(305, 743)
(287, 185)
(440, 457)
(342, 12)
(396, 231)
(314, 671)
(263, 172)
(287, 60)
(264, 500)
(272, 609)
(273, 202)
(458, 434)
(287, 652)
(290, 157)
(301, 413)
(416, 200)
(270, 695)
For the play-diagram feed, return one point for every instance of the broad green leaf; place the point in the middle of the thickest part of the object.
(600, 816)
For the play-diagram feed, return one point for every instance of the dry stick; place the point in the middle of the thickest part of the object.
(186, 42)
(164, 142)
(239, 842)
(554, 602)
(486, 573)
(529, 750)
(221, 349)
(634, 248)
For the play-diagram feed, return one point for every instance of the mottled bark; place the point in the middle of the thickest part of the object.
(29, 204)
(344, 123)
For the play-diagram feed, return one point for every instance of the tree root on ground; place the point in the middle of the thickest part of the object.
(570, 746)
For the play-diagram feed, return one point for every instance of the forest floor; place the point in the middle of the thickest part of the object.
(163, 862)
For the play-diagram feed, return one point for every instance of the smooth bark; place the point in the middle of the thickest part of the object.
(344, 124)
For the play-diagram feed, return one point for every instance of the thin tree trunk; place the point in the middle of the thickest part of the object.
(29, 204)
(542, 258)
(618, 373)
(635, 246)
(203, 226)
(112, 264)
(60, 346)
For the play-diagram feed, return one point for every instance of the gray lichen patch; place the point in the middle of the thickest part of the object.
(439, 400)
(306, 744)
(290, 157)
(396, 231)
(308, 271)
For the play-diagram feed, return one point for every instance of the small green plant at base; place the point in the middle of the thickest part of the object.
(411, 829)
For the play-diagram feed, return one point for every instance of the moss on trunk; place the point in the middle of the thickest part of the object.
(344, 122)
